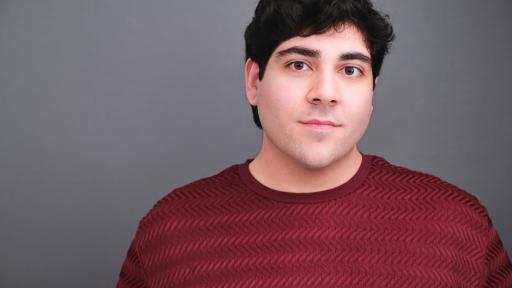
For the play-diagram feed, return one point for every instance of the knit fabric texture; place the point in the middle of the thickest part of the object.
(388, 226)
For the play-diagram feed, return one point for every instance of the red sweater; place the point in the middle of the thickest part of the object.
(388, 226)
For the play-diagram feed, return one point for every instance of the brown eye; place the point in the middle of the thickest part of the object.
(352, 71)
(298, 65)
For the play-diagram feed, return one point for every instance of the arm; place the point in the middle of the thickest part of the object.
(499, 268)
(132, 272)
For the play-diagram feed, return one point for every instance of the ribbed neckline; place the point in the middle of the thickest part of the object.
(311, 197)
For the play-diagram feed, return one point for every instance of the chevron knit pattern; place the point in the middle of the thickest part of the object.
(388, 226)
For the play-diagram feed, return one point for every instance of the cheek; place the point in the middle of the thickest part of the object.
(280, 97)
(361, 105)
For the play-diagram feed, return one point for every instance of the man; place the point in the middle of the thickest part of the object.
(310, 210)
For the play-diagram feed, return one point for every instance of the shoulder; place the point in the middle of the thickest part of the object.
(174, 203)
(406, 183)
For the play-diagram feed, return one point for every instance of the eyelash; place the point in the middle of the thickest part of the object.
(290, 66)
(356, 68)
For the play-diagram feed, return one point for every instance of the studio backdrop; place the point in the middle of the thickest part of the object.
(108, 105)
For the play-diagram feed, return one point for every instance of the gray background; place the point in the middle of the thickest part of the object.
(106, 106)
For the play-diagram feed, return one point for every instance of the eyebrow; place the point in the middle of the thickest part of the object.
(316, 54)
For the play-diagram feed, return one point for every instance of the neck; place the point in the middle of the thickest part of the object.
(280, 172)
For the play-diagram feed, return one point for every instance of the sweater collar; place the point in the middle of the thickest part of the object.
(310, 197)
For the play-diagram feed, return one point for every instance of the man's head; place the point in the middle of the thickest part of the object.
(310, 61)
(276, 21)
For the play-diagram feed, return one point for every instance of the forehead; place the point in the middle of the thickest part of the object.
(331, 43)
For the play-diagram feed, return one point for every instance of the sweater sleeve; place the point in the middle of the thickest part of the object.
(132, 271)
(499, 268)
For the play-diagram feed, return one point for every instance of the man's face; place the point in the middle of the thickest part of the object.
(324, 77)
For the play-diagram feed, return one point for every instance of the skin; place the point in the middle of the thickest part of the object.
(299, 85)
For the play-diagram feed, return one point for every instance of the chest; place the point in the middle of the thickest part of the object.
(305, 248)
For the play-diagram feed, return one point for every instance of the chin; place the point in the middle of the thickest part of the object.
(316, 162)
(323, 157)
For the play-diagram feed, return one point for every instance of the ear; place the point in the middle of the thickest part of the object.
(374, 84)
(251, 81)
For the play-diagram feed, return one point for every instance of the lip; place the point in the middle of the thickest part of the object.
(320, 124)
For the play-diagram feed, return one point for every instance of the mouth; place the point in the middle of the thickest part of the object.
(322, 125)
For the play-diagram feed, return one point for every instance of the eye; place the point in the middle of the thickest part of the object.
(352, 71)
(297, 65)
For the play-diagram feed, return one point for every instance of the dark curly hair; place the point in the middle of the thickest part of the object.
(276, 21)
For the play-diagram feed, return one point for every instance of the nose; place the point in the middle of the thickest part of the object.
(324, 89)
